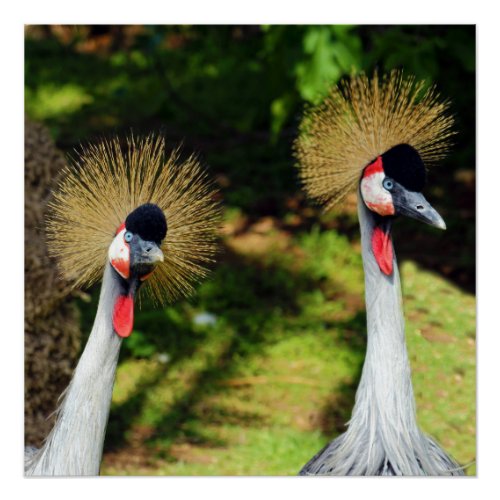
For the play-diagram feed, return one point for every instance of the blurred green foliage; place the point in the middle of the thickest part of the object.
(243, 78)
(235, 93)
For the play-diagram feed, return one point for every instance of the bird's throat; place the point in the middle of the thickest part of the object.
(382, 246)
(123, 306)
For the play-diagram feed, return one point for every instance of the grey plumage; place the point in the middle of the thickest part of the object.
(74, 446)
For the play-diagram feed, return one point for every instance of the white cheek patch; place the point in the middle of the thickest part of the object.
(119, 255)
(376, 198)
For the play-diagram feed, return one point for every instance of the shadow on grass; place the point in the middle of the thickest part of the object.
(250, 295)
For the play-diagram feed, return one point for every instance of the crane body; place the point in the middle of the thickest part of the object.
(383, 437)
(378, 135)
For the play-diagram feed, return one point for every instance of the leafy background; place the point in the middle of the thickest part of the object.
(258, 371)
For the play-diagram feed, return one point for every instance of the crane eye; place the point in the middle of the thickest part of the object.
(387, 183)
(128, 236)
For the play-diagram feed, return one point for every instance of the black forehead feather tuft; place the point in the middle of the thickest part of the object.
(148, 221)
(403, 164)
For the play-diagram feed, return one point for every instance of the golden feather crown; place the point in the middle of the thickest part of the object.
(363, 119)
(105, 184)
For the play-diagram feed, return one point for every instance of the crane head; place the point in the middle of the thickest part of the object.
(107, 218)
(135, 249)
(391, 185)
(364, 118)
(374, 134)
(133, 254)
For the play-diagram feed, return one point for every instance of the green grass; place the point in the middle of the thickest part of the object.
(273, 380)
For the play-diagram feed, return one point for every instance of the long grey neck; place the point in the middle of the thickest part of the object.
(383, 437)
(74, 446)
(385, 408)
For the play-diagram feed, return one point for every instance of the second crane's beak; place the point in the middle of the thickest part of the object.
(413, 204)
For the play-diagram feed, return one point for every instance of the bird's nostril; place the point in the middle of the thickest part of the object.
(420, 207)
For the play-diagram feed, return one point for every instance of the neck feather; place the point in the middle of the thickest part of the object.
(383, 437)
(384, 412)
(74, 446)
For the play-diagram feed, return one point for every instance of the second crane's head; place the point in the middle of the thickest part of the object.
(375, 134)
(392, 185)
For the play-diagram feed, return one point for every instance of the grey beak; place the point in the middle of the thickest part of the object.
(148, 253)
(413, 204)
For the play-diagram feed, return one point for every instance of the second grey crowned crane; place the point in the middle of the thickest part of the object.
(375, 135)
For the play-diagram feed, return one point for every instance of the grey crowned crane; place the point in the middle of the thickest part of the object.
(139, 220)
(375, 135)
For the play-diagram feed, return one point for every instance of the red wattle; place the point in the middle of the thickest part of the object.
(123, 315)
(382, 249)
